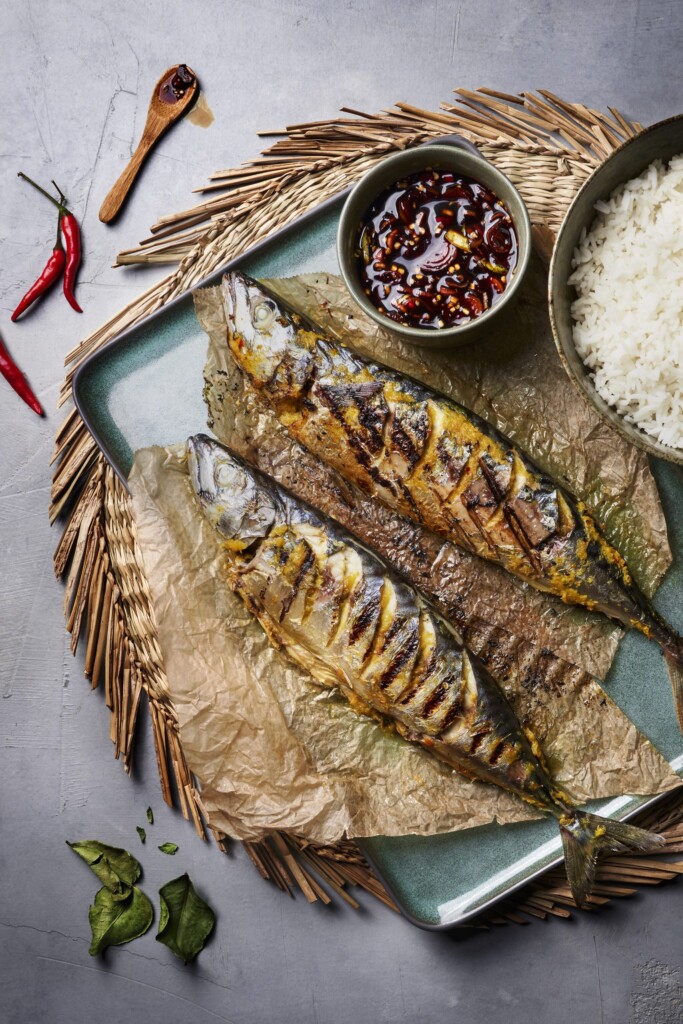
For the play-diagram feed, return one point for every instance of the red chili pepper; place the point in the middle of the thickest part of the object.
(14, 376)
(72, 237)
(50, 273)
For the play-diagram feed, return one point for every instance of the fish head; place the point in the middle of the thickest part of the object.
(260, 330)
(236, 502)
(265, 338)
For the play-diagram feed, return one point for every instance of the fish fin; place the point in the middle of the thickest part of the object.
(674, 667)
(586, 836)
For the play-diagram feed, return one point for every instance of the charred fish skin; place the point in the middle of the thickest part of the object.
(350, 622)
(430, 459)
(353, 623)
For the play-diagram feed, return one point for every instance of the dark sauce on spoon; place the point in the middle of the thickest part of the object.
(173, 88)
(436, 249)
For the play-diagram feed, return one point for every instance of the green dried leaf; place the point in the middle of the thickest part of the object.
(115, 921)
(141, 832)
(185, 920)
(150, 816)
(169, 848)
(117, 869)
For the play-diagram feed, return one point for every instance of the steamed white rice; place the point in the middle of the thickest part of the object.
(628, 276)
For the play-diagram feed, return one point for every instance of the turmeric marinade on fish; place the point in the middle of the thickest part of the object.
(433, 461)
(353, 623)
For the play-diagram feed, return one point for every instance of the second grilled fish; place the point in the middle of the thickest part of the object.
(433, 461)
(338, 611)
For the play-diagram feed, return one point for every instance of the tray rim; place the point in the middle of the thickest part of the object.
(277, 236)
(458, 922)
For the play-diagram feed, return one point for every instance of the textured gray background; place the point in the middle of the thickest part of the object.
(77, 83)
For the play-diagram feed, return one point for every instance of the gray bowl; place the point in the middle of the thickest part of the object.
(661, 141)
(451, 153)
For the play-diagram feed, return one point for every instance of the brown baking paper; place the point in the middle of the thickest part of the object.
(272, 750)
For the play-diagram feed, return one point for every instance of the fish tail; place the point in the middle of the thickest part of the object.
(674, 666)
(586, 836)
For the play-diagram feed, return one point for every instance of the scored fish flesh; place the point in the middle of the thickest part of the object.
(434, 461)
(337, 610)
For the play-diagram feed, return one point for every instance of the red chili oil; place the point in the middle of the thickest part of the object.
(436, 249)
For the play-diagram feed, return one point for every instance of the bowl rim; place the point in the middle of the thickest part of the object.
(430, 152)
(583, 382)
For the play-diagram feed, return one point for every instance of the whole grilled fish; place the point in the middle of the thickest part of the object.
(433, 461)
(336, 609)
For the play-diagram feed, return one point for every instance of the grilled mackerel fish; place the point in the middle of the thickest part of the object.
(435, 462)
(338, 611)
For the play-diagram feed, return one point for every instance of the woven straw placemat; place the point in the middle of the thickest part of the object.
(548, 147)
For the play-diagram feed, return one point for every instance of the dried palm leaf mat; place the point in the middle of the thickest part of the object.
(548, 147)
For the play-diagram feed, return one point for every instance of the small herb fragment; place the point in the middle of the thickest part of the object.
(115, 921)
(150, 816)
(185, 921)
(141, 832)
(169, 848)
(117, 869)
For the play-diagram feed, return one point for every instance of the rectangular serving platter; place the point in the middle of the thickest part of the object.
(145, 388)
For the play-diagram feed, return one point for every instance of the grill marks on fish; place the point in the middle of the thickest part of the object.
(436, 463)
(368, 608)
(341, 604)
(404, 655)
(445, 468)
(425, 455)
(362, 435)
(314, 590)
(304, 563)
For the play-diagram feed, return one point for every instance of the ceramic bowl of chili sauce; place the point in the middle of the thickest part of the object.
(434, 242)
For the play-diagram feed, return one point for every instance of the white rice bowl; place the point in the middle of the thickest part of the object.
(628, 314)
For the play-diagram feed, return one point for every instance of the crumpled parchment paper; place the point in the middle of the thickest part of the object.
(273, 751)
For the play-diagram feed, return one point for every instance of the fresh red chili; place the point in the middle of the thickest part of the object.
(14, 376)
(72, 238)
(50, 273)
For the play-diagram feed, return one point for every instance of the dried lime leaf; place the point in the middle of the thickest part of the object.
(115, 921)
(169, 848)
(141, 832)
(117, 869)
(150, 815)
(185, 921)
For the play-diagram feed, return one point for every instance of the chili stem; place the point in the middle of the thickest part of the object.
(61, 194)
(60, 206)
(58, 243)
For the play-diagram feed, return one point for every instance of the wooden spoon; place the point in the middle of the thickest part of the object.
(169, 102)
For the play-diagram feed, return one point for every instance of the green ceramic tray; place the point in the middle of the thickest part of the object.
(144, 388)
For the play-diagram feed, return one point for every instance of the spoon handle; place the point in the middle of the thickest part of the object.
(119, 190)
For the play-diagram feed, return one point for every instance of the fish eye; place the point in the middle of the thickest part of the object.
(264, 313)
(225, 474)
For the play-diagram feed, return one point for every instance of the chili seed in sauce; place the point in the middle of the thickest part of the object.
(436, 249)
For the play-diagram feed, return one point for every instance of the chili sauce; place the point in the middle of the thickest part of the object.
(173, 88)
(436, 249)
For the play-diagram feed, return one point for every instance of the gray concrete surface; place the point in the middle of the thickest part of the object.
(77, 82)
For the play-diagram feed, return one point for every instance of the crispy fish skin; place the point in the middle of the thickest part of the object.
(353, 623)
(433, 461)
